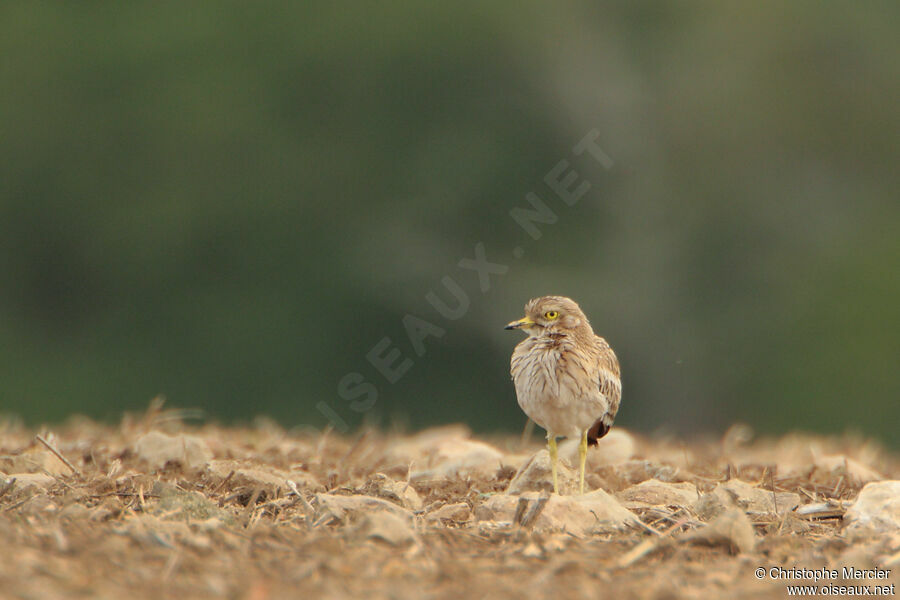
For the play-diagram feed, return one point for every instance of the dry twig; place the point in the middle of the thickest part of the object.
(56, 453)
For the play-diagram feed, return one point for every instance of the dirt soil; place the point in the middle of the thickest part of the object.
(156, 508)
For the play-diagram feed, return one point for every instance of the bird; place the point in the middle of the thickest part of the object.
(567, 378)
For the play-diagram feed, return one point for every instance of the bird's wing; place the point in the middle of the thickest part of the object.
(610, 385)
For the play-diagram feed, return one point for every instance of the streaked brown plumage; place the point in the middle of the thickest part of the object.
(566, 377)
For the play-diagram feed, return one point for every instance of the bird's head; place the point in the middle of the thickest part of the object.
(552, 314)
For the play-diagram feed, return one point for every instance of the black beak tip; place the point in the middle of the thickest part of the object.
(510, 327)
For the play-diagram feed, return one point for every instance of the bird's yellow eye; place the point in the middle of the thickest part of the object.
(550, 315)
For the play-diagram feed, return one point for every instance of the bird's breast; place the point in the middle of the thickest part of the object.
(554, 386)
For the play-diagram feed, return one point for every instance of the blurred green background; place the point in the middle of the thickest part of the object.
(230, 205)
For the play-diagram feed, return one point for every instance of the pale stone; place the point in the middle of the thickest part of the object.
(614, 448)
(398, 491)
(25, 481)
(340, 506)
(248, 474)
(636, 471)
(536, 476)
(461, 458)
(750, 499)
(175, 503)
(158, 448)
(853, 470)
(877, 508)
(731, 528)
(597, 512)
(420, 447)
(40, 459)
(446, 452)
(389, 527)
(652, 493)
(459, 511)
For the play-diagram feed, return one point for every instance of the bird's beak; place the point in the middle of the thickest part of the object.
(523, 322)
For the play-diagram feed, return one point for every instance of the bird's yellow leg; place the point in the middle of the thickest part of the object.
(551, 445)
(582, 456)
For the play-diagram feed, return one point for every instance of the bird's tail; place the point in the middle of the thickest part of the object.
(598, 430)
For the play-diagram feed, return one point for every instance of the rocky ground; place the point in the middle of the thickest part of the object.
(153, 508)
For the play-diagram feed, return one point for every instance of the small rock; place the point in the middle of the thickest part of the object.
(245, 474)
(158, 448)
(597, 512)
(532, 550)
(446, 452)
(606, 514)
(498, 508)
(389, 527)
(25, 481)
(636, 471)
(175, 503)
(340, 506)
(40, 460)
(876, 509)
(400, 492)
(450, 512)
(709, 506)
(653, 493)
(419, 448)
(250, 475)
(748, 498)
(536, 476)
(461, 458)
(732, 528)
(853, 470)
(614, 448)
